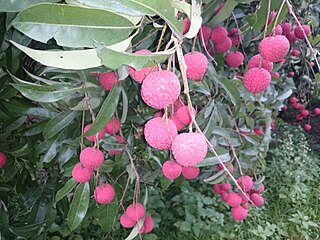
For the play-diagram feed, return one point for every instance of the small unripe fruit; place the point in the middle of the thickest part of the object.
(81, 174)
(258, 131)
(148, 224)
(239, 213)
(197, 65)
(274, 49)
(254, 62)
(91, 157)
(292, 37)
(104, 193)
(307, 127)
(293, 100)
(3, 159)
(291, 74)
(190, 172)
(224, 196)
(257, 199)
(206, 33)
(107, 79)
(186, 25)
(286, 28)
(235, 36)
(127, 222)
(224, 46)
(299, 32)
(317, 111)
(113, 126)
(256, 80)
(135, 211)
(217, 188)
(276, 75)
(234, 199)
(278, 30)
(234, 59)
(245, 182)
(218, 34)
(184, 116)
(295, 52)
(225, 187)
(101, 133)
(171, 169)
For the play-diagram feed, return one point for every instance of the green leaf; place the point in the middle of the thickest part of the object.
(209, 9)
(52, 146)
(106, 216)
(106, 111)
(224, 13)
(59, 122)
(83, 26)
(65, 190)
(23, 150)
(211, 161)
(18, 5)
(216, 178)
(79, 205)
(26, 231)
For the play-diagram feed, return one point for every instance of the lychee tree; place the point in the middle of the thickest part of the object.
(103, 102)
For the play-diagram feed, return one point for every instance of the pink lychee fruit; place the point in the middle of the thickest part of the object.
(91, 157)
(158, 114)
(260, 190)
(278, 30)
(276, 75)
(234, 199)
(239, 213)
(272, 15)
(299, 117)
(235, 36)
(256, 80)
(159, 133)
(140, 75)
(299, 32)
(135, 211)
(284, 108)
(293, 100)
(316, 111)
(304, 113)
(101, 133)
(224, 196)
(245, 182)
(189, 149)
(178, 104)
(216, 188)
(274, 48)
(119, 140)
(307, 127)
(205, 31)
(190, 172)
(286, 28)
(244, 197)
(254, 62)
(224, 46)
(148, 224)
(218, 34)
(312, 64)
(3, 159)
(171, 169)
(81, 174)
(113, 126)
(292, 37)
(234, 59)
(127, 222)
(160, 89)
(257, 199)
(258, 131)
(225, 187)
(295, 52)
(184, 116)
(291, 74)
(177, 122)
(104, 193)
(107, 79)
(197, 65)
(186, 25)
(220, 167)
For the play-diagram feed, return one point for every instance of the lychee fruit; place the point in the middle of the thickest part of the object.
(190, 172)
(316, 111)
(224, 196)
(148, 224)
(224, 46)
(239, 213)
(197, 65)
(295, 52)
(107, 79)
(159, 133)
(158, 114)
(160, 89)
(258, 131)
(307, 127)
(292, 37)
(299, 117)
(81, 174)
(135, 211)
(216, 188)
(276, 75)
(101, 133)
(274, 48)
(225, 187)
(284, 108)
(257, 199)
(299, 32)
(245, 182)
(234, 59)
(312, 64)
(254, 62)
(104, 193)
(234, 199)
(218, 34)
(235, 36)
(189, 149)
(127, 222)
(140, 75)
(184, 116)
(260, 190)
(171, 169)
(256, 80)
(177, 122)
(304, 113)
(3, 159)
(113, 126)
(119, 140)
(91, 157)
(286, 28)
(278, 30)
(206, 32)
(220, 167)
(291, 74)
(178, 104)
(186, 25)
(293, 100)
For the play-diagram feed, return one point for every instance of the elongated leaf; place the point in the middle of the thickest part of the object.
(26, 231)
(23, 150)
(65, 190)
(106, 111)
(52, 147)
(18, 5)
(224, 13)
(209, 9)
(106, 216)
(195, 19)
(216, 178)
(211, 161)
(79, 205)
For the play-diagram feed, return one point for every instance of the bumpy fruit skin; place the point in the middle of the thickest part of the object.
(127, 222)
(307, 127)
(239, 213)
(104, 193)
(148, 224)
(171, 169)
(206, 32)
(292, 37)
(218, 34)
(234, 59)
(177, 122)
(274, 49)
(257, 199)
(81, 174)
(216, 188)
(254, 62)
(317, 111)
(220, 167)
(186, 25)
(101, 133)
(178, 104)
(286, 28)
(140, 75)
(295, 52)
(234, 199)
(257, 80)
(278, 30)
(3, 159)
(119, 140)
(91, 157)
(197, 65)
(245, 182)
(159, 133)
(190, 172)
(135, 211)
(184, 116)
(225, 187)
(107, 79)
(299, 32)
(113, 126)
(189, 149)
(160, 89)
(224, 46)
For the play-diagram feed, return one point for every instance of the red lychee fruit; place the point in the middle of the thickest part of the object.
(293, 100)
(148, 224)
(216, 188)
(276, 75)
(272, 15)
(197, 65)
(178, 104)
(189, 149)
(284, 108)
(274, 48)
(127, 222)
(312, 64)
(104, 193)
(254, 62)
(304, 113)
(256, 80)
(171, 169)
(220, 167)
(245, 205)
(234, 199)
(107, 79)
(177, 122)
(140, 75)
(91, 157)
(186, 25)
(317, 111)
(295, 52)
(235, 36)
(286, 28)
(81, 174)
(119, 140)
(224, 46)
(159, 133)
(225, 187)
(291, 74)
(190, 172)
(299, 106)
(239, 213)
(3, 159)
(160, 89)
(113, 126)
(224, 196)
(135, 211)
(101, 133)
(257, 199)
(299, 117)
(184, 116)
(245, 182)
(158, 114)
(307, 127)
(292, 37)
(258, 131)
(278, 30)
(260, 190)
(218, 34)
(206, 32)
(244, 197)
(299, 32)
(234, 59)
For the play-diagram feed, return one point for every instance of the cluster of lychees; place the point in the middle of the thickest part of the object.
(238, 201)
